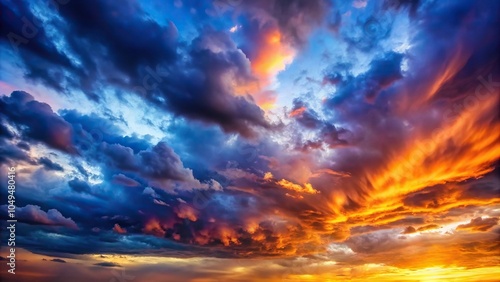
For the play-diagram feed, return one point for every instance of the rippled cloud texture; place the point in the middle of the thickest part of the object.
(267, 140)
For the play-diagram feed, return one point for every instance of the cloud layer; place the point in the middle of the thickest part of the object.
(341, 139)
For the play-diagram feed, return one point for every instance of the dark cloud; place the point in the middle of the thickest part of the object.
(201, 92)
(331, 136)
(432, 197)
(35, 215)
(390, 224)
(23, 145)
(38, 121)
(383, 72)
(50, 165)
(102, 22)
(9, 153)
(485, 188)
(149, 62)
(327, 133)
(79, 186)
(23, 31)
(90, 130)
(479, 224)
(159, 165)
(295, 19)
(371, 243)
(58, 260)
(108, 264)
(304, 115)
(441, 195)
(409, 230)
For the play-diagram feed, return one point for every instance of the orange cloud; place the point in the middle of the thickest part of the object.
(465, 148)
(185, 211)
(297, 112)
(271, 56)
(154, 227)
(306, 188)
(118, 229)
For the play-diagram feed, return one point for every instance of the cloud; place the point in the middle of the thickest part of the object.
(411, 229)
(196, 93)
(79, 186)
(26, 35)
(118, 229)
(204, 91)
(38, 121)
(274, 32)
(10, 153)
(383, 72)
(23, 145)
(32, 214)
(304, 115)
(307, 188)
(295, 19)
(356, 168)
(58, 260)
(160, 165)
(50, 165)
(428, 227)
(479, 224)
(124, 180)
(108, 264)
(201, 91)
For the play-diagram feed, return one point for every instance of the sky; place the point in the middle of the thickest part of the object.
(263, 140)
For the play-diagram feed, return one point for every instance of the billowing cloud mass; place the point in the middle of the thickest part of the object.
(236, 140)
(34, 215)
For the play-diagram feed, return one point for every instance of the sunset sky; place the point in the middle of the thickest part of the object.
(259, 140)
